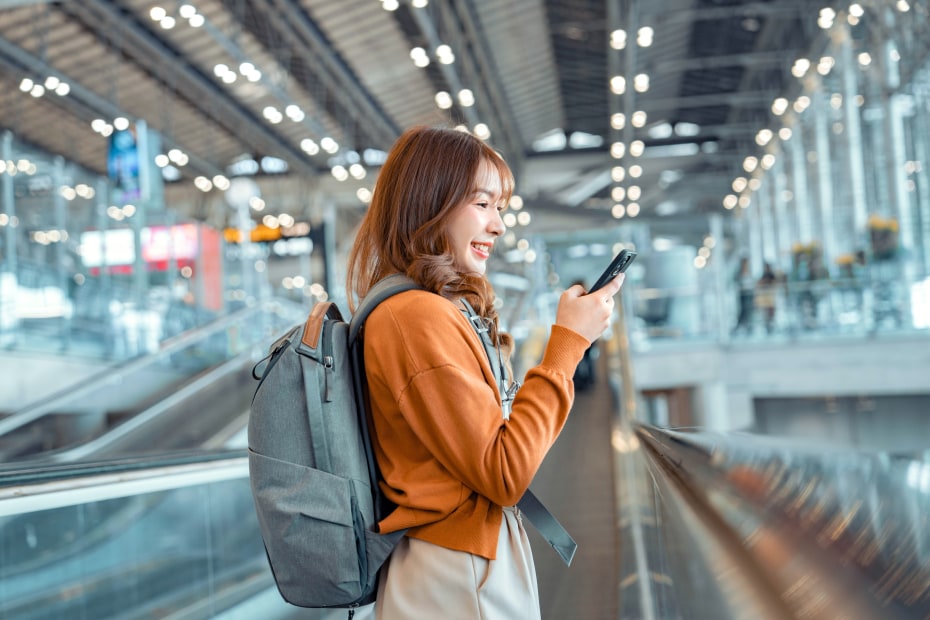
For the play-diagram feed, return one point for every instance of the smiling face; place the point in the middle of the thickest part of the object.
(476, 222)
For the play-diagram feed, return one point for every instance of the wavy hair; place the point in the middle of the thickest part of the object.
(428, 173)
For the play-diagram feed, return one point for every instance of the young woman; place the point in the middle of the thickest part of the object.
(452, 463)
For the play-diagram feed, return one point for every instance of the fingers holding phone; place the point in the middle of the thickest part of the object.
(588, 314)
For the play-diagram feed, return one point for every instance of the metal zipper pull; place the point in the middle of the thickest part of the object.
(328, 364)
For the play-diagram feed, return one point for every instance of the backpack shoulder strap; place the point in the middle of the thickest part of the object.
(388, 287)
(542, 519)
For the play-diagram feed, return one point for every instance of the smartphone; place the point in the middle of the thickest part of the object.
(617, 266)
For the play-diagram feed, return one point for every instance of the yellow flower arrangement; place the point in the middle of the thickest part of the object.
(883, 236)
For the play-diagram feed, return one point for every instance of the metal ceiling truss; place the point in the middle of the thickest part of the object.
(83, 103)
(169, 67)
(337, 89)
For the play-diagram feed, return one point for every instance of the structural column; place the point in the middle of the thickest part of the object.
(824, 177)
(853, 123)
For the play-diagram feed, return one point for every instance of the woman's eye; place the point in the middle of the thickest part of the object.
(483, 205)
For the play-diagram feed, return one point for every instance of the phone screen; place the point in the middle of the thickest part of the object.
(617, 266)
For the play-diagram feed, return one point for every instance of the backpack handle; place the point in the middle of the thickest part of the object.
(313, 328)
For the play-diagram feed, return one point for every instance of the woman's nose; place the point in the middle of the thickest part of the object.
(497, 225)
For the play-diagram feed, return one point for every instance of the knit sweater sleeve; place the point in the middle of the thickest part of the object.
(431, 379)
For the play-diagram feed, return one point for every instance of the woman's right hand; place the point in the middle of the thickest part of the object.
(588, 315)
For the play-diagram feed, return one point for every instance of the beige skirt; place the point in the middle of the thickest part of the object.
(423, 580)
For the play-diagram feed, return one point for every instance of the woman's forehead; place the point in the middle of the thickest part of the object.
(488, 179)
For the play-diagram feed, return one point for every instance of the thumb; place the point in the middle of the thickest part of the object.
(574, 291)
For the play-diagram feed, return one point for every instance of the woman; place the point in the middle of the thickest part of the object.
(451, 462)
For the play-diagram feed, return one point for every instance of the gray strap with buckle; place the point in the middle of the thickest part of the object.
(545, 523)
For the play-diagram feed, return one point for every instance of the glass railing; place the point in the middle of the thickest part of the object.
(786, 310)
(174, 537)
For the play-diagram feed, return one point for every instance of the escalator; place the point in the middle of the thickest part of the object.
(194, 392)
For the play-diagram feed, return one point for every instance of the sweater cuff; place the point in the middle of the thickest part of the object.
(565, 349)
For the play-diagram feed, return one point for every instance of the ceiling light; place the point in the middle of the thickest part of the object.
(632, 209)
(121, 123)
(444, 54)
(167, 22)
(764, 137)
(618, 39)
(825, 20)
(641, 82)
(639, 118)
(617, 194)
(516, 202)
(329, 145)
(196, 21)
(221, 182)
(187, 11)
(634, 192)
(729, 201)
(309, 146)
(419, 4)
(466, 98)
(482, 131)
(157, 13)
(637, 147)
(617, 120)
(340, 173)
(443, 100)
(390, 5)
(618, 84)
(618, 211)
(26, 85)
(617, 173)
(617, 150)
(644, 36)
(636, 171)
(357, 171)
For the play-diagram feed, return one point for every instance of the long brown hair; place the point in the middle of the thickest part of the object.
(428, 173)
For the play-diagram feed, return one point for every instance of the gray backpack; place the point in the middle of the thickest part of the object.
(311, 466)
(313, 474)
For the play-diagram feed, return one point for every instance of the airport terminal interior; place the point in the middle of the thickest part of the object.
(181, 181)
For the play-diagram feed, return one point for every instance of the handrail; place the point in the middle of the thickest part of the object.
(115, 479)
(781, 548)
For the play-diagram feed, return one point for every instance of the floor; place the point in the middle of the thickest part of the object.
(576, 482)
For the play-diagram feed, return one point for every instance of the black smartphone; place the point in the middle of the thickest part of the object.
(617, 266)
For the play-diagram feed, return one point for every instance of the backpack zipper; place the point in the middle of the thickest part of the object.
(329, 362)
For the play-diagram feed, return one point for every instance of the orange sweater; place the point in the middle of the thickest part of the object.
(449, 459)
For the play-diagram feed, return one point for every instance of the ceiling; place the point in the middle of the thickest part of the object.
(539, 71)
